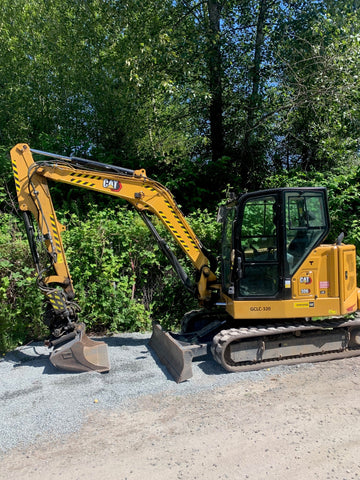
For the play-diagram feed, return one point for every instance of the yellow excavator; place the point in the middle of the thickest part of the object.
(282, 296)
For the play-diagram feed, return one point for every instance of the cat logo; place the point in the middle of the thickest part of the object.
(114, 185)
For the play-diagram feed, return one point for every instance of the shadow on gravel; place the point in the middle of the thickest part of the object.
(210, 367)
(37, 355)
(138, 342)
(34, 355)
(123, 341)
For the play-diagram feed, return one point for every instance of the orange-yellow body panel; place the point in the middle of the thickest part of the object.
(47, 222)
(323, 286)
(142, 192)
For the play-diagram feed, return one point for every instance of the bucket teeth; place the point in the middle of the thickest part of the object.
(82, 355)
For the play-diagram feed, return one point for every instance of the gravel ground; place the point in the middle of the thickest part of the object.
(37, 399)
(296, 422)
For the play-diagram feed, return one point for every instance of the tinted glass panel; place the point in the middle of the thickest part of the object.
(305, 225)
(227, 247)
(258, 235)
(259, 247)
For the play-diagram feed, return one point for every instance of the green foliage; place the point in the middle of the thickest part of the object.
(120, 275)
(207, 229)
(121, 278)
(343, 195)
(20, 300)
(137, 88)
(318, 66)
(105, 252)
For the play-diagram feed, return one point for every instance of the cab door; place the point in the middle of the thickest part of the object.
(307, 224)
(258, 247)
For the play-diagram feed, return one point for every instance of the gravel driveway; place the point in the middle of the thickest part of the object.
(286, 423)
(33, 393)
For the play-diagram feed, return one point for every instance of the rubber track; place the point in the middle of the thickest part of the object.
(225, 337)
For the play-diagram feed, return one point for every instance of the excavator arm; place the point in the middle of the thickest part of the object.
(145, 195)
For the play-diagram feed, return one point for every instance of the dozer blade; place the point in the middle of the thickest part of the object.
(175, 353)
(81, 355)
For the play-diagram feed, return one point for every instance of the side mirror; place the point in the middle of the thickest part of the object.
(239, 267)
(221, 215)
(340, 238)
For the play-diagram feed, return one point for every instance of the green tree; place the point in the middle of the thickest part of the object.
(318, 128)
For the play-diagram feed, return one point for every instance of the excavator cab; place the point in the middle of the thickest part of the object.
(266, 237)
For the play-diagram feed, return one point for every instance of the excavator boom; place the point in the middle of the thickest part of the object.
(73, 350)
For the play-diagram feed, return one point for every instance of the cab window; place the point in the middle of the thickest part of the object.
(258, 236)
(306, 225)
(259, 247)
(227, 245)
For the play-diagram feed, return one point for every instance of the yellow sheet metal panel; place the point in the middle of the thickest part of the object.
(324, 285)
(142, 192)
(318, 276)
(347, 278)
(33, 195)
(295, 308)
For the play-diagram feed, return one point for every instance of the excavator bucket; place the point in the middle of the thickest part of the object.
(81, 354)
(175, 353)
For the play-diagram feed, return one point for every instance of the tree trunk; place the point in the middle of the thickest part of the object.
(251, 158)
(215, 73)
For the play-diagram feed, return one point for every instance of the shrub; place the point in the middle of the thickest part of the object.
(121, 277)
(20, 300)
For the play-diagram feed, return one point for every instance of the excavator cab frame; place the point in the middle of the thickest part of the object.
(266, 237)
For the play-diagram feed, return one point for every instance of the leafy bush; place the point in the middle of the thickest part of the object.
(121, 277)
(20, 300)
(103, 253)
